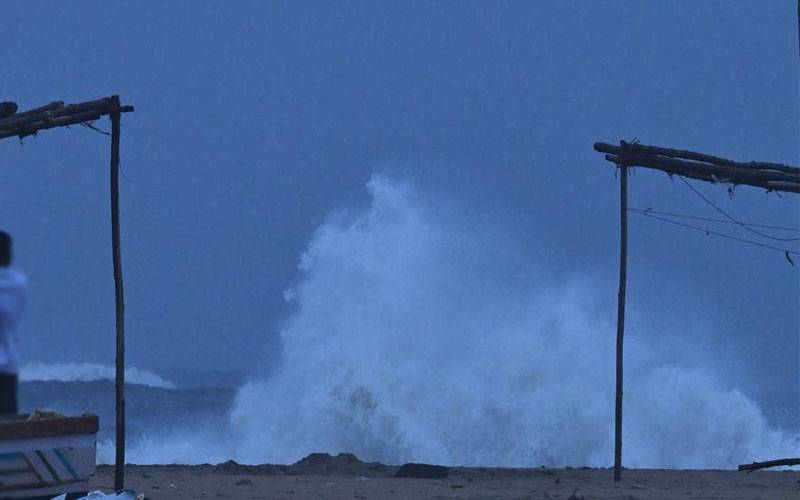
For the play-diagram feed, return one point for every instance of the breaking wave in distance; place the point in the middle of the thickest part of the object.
(88, 372)
(410, 343)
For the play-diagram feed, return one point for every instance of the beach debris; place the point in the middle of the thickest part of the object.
(244, 482)
(99, 495)
(424, 471)
(36, 415)
(784, 462)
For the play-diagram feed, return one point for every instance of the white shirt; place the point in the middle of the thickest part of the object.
(13, 285)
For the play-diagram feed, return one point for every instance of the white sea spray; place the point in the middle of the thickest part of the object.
(408, 344)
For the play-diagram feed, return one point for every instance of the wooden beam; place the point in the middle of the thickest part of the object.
(119, 466)
(33, 127)
(56, 114)
(636, 149)
(49, 427)
(53, 110)
(35, 111)
(769, 176)
(712, 174)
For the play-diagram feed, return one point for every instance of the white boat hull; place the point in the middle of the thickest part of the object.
(46, 465)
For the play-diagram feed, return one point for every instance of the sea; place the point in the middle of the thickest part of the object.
(157, 404)
(417, 336)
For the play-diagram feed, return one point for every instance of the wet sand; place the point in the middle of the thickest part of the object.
(322, 476)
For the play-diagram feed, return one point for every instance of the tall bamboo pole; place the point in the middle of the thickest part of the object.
(119, 466)
(623, 270)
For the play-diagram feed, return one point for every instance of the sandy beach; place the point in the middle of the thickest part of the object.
(322, 476)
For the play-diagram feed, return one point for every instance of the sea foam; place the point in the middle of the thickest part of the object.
(411, 343)
(87, 372)
(416, 337)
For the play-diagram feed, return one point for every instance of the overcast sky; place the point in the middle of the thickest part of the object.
(255, 120)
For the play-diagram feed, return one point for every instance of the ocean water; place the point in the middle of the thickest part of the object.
(158, 406)
(419, 335)
(422, 334)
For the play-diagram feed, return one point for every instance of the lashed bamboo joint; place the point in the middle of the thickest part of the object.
(770, 176)
(57, 114)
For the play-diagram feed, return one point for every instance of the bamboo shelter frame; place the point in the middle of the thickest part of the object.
(57, 114)
(770, 176)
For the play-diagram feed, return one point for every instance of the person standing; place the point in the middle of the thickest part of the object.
(13, 285)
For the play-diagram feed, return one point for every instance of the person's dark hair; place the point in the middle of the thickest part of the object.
(5, 249)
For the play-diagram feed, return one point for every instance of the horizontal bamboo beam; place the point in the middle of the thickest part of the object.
(35, 111)
(709, 173)
(770, 463)
(770, 176)
(56, 114)
(642, 149)
(63, 121)
(52, 111)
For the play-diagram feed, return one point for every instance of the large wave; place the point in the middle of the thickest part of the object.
(87, 372)
(410, 342)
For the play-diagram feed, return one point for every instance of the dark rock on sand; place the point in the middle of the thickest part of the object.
(316, 464)
(424, 471)
(233, 467)
(344, 464)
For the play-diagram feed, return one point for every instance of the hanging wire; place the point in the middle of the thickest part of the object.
(91, 125)
(731, 218)
(710, 219)
(710, 232)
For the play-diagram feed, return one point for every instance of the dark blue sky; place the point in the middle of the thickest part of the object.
(256, 119)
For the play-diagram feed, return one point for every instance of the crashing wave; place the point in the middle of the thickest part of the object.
(414, 340)
(88, 372)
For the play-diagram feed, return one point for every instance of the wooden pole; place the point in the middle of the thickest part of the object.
(623, 269)
(119, 467)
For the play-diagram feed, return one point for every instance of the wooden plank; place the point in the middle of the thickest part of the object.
(25, 429)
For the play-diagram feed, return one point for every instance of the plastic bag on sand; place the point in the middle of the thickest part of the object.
(99, 495)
